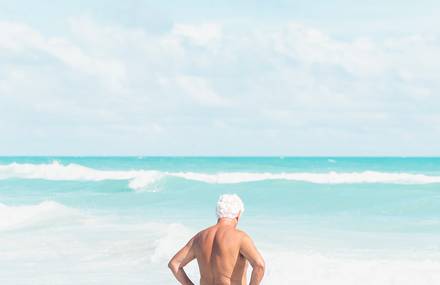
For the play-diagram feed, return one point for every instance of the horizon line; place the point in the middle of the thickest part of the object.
(224, 156)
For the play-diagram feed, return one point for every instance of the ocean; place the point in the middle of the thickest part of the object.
(316, 220)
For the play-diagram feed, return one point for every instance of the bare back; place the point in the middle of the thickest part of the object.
(217, 250)
(222, 253)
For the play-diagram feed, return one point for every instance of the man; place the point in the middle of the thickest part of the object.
(221, 251)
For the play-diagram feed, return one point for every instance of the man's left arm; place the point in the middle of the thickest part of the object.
(182, 258)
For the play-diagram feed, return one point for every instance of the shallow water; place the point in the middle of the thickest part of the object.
(117, 220)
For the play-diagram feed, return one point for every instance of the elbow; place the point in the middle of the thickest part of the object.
(260, 267)
(173, 266)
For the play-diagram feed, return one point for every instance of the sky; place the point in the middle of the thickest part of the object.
(226, 78)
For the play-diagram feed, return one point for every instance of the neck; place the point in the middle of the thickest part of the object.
(227, 222)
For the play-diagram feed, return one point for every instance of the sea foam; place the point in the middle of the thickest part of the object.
(44, 213)
(290, 267)
(143, 179)
(139, 179)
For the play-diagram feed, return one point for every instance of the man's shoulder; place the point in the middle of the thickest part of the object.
(238, 235)
(241, 233)
(244, 237)
(205, 231)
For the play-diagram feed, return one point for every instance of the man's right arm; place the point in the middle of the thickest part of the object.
(250, 252)
(182, 258)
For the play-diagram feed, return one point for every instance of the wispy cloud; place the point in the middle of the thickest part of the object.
(278, 79)
(200, 91)
(202, 34)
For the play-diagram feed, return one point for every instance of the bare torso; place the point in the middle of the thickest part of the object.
(222, 253)
(217, 250)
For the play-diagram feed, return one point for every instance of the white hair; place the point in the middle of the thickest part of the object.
(229, 206)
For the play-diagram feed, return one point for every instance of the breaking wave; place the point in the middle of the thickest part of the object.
(27, 216)
(142, 179)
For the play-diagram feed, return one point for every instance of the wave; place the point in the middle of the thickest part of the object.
(27, 216)
(139, 179)
(144, 179)
(317, 268)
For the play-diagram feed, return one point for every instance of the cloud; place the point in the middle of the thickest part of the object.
(203, 34)
(109, 70)
(200, 91)
(20, 38)
(310, 46)
(283, 79)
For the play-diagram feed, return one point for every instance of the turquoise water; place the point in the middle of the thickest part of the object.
(117, 220)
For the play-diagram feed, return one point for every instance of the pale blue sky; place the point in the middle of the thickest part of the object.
(219, 77)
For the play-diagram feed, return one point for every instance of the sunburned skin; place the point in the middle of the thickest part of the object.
(222, 253)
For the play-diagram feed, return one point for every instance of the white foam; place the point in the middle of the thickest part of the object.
(119, 251)
(139, 179)
(47, 212)
(109, 251)
(314, 268)
(319, 178)
(172, 239)
(144, 179)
